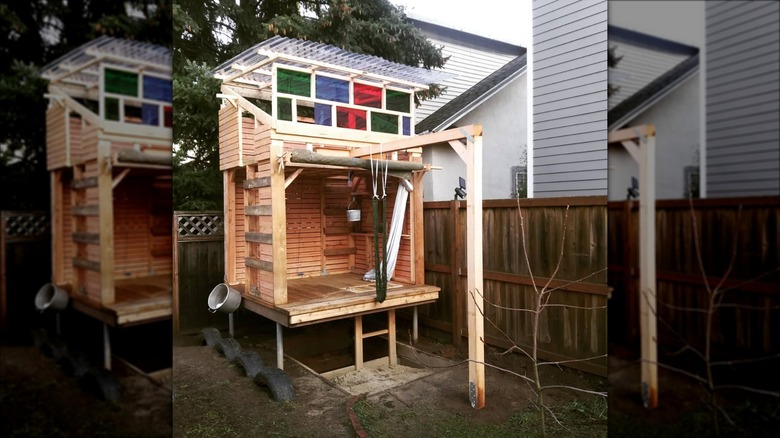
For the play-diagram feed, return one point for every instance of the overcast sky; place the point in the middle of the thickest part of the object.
(502, 20)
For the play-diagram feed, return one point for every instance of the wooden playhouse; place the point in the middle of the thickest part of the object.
(303, 126)
(108, 146)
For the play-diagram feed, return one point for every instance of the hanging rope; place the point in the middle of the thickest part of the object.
(380, 265)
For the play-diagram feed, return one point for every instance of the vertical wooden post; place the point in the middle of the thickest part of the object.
(229, 189)
(175, 267)
(358, 342)
(476, 322)
(106, 348)
(279, 224)
(279, 346)
(647, 296)
(418, 248)
(455, 255)
(106, 217)
(57, 231)
(392, 355)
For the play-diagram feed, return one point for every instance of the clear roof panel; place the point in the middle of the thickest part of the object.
(327, 58)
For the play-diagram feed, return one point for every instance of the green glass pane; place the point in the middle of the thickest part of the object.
(293, 82)
(121, 82)
(384, 123)
(111, 108)
(398, 101)
(284, 108)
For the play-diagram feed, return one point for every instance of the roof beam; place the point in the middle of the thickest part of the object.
(421, 140)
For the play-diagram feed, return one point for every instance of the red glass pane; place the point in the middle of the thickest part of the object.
(350, 118)
(168, 115)
(367, 95)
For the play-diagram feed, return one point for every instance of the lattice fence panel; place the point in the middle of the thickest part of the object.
(23, 226)
(200, 226)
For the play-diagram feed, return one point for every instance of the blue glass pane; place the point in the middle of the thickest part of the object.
(407, 125)
(157, 89)
(150, 114)
(335, 90)
(322, 114)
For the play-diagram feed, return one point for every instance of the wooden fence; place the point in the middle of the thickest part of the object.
(198, 266)
(576, 328)
(25, 266)
(751, 318)
(566, 332)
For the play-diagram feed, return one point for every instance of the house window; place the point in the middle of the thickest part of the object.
(691, 175)
(519, 182)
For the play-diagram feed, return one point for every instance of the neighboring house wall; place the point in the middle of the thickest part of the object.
(743, 118)
(503, 120)
(569, 98)
(471, 57)
(676, 118)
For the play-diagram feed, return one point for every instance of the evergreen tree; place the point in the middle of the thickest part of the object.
(209, 33)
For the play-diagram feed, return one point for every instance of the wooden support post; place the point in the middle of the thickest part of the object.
(57, 228)
(229, 189)
(392, 356)
(106, 217)
(279, 346)
(476, 322)
(415, 326)
(418, 243)
(106, 348)
(647, 296)
(279, 224)
(455, 256)
(358, 342)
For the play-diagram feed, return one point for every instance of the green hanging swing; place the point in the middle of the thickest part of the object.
(380, 226)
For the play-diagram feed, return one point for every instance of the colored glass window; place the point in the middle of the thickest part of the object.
(284, 108)
(293, 82)
(111, 108)
(322, 114)
(350, 118)
(150, 114)
(168, 115)
(157, 89)
(398, 101)
(332, 89)
(407, 125)
(121, 82)
(384, 123)
(367, 95)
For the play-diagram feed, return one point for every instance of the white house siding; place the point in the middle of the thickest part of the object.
(743, 95)
(503, 120)
(569, 97)
(470, 62)
(676, 118)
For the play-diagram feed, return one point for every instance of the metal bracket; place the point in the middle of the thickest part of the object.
(473, 394)
(469, 138)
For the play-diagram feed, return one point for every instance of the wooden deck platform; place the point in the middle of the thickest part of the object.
(312, 300)
(137, 301)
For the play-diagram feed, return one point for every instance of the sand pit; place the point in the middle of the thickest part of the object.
(376, 376)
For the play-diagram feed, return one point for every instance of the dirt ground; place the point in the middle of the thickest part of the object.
(683, 404)
(37, 399)
(212, 397)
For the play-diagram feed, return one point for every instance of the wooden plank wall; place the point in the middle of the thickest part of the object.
(142, 238)
(228, 137)
(752, 283)
(55, 137)
(565, 333)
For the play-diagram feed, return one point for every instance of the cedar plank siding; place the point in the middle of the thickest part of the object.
(570, 98)
(742, 104)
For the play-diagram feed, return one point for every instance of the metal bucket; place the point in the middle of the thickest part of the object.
(353, 215)
(51, 296)
(224, 298)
